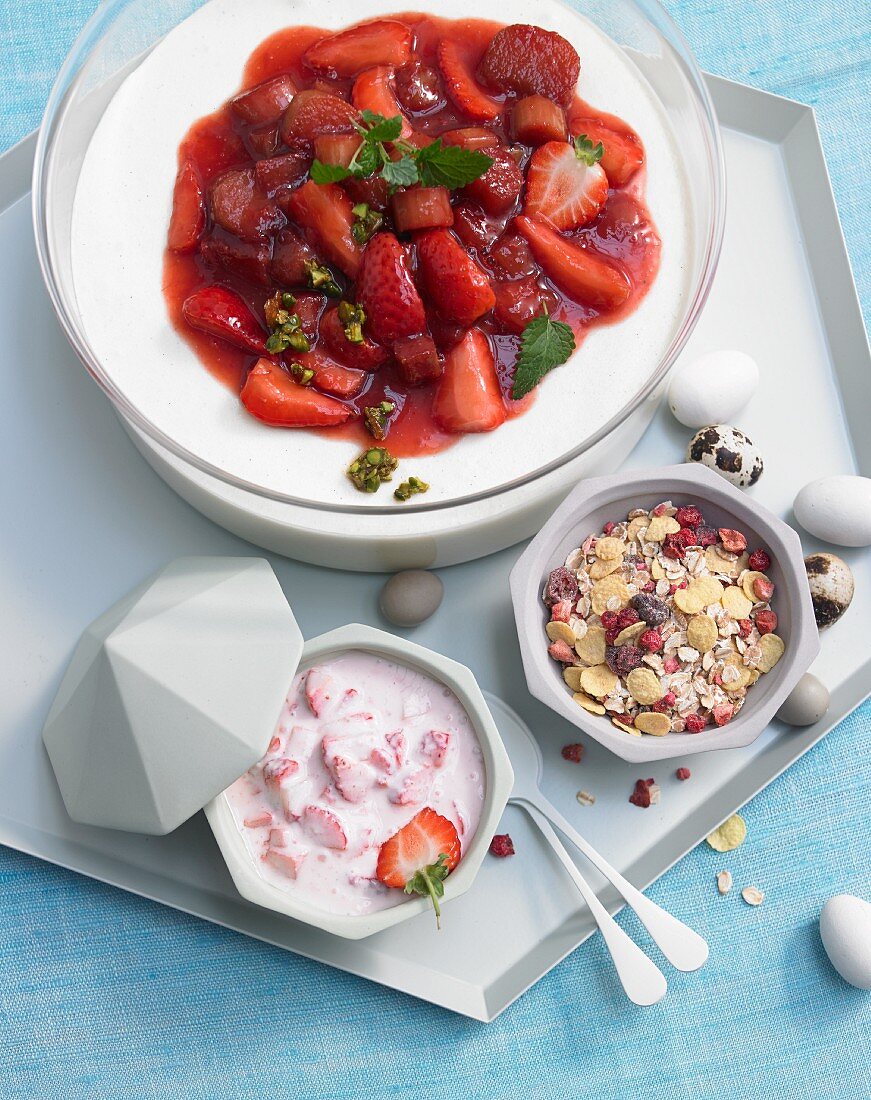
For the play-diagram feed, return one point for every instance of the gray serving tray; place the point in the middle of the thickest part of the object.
(85, 519)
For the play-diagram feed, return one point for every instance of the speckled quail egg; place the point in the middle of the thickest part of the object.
(831, 584)
(729, 452)
(712, 387)
(837, 509)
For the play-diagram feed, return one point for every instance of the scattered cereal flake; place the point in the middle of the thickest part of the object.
(644, 686)
(736, 603)
(730, 835)
(604, 568)
(610, 549)
(630, 634)
(651, 722)
(623, 726)
(724, 881)
(604, 591)
(584, 700)
(591, 648)
(752, 896)
(572, 676)
(598, 681)
(772, 650)
(702, 632)
(585, 798)
(560, 632)
(660, 526)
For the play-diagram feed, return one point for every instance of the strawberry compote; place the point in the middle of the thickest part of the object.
(383, 308)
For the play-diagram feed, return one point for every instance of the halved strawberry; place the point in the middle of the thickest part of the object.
(528, 60)
(273, 397)
(624, 153)
(327, 213)
(221, 312)
(330, 377)
(264, 102)
(565, 184)
(238, 208)
(450, 279)
(582, 273)
(461, 86)
(386, 291)
(497, 190)
(313, 113)
(373, 91)
(381, 42)
(468, 398)
(188, 211)
(420, 856)
(367, 356)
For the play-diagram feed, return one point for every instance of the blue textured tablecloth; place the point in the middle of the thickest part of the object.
(105, 995)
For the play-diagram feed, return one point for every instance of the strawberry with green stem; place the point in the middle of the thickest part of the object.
(420, 856)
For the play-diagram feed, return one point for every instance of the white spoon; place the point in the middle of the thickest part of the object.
(684, 948)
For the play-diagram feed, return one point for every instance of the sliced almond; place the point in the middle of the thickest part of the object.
(724, 881)
(752, 896)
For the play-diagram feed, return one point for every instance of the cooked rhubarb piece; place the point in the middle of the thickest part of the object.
(468, 398)
(248, 261)
(565, 184)
(290, 255)
(285, 170)
(510, 257)
(337, 148)
(520, 301)
(461, 86)
(373, 91)
(418, 87)
(265, 102)
(264, 142)
(188, 218)
(327, 213)
(386, 291)
(471, 137)
(313, 113)
(498, 189)
(535, 119)
(580, 272)
(381, 42)
(362, 354)
(220, 312)
(421, 208)
(472, 225)
(238, 208)
(373, 191)
(528, 60)
(624, 153)
(417, 359)
(451, 280)
(309, 308)
(327, 376)
(272, 396)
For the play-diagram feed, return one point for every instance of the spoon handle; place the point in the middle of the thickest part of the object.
(640, 977)
(684, 948)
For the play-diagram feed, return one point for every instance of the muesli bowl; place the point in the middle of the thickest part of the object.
(586, 510)
(498, 781)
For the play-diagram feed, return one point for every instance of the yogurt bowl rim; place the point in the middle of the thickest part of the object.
(499, 781)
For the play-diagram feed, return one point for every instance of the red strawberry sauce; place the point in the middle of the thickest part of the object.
(622, 231)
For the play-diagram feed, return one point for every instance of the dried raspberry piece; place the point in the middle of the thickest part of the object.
(744, 627)
(661, 509)
(573, 753)
(759, 561)
(562, 652)
(766, 622)
(670, 664)
(689, 516)
(652, 610)
(623, 659)
(674, 546)
(665, 703)
(732, 540)
(562, 584)
(672, 588)
(609, 620)
(561, 612)
(609, 527)
(706, 536)
(627, 617)
(502, 845)
(651, 640)
(649, 587)
(683, 773)
(645, 793)
(695, 723)
(723, 713)
(763, 588)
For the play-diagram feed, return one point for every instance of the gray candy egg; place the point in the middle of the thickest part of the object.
(806, 703)
(410, 597)
(831, 584)
(729, 451)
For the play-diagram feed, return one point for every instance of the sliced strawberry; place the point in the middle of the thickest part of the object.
(220, 312)
(373, 91)
(418, 87)
(381, 42)
(417, 359)
(527, 60)
(264, 102)
(248, 261)
(421, 208)
(367, 356)
(582, 273)
(285, 170)
(624, 153)
(471, 137)
(520, 301)
(418, 858)
(313, 113)
(188, 211)
(450, 279)
(536, 119)
(290, 254)
(273, 397)
(327, 213)
(309, 308)
(330, 377)
(319, 690)
(324, 827)
(498, 189)
(288, 863)
(337, 149)
(386, 291)
(468, 398)
(238, 208)
(563, 186)
(461, 86)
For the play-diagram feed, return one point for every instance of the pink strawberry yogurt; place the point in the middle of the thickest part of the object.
(362, 744)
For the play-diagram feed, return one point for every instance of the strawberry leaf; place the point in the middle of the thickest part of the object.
(545, 344)
(430, 881)
(400, 173)
(328, 173)
(586, 152)
(450, 165)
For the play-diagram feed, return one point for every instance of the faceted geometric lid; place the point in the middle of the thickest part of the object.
(172, 694)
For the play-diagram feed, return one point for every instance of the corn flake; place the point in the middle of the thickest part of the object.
(584, 700)
(730, 835)
(591, 648)
(747, 582)
(623, 726)
(630, 634)
(598, 681)
(772, 650)
(644, 686)
(610, 549)
(702, 633)
(736, 603)
(560, 632)
(652, 722)
(611, 588)
(604, 568)
(660, 526)
(572, 676)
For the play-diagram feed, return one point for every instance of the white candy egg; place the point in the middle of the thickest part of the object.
(712, 388)
(806, 703)
(845, 929)
(837, 509)
(729, 451)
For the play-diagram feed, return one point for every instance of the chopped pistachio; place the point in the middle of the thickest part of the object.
(377, 418)
(352, 318)
(371, 468)
(367, 222)
(302, 375)
(288, 300)
(298, 341)
(321, 278)
(409, 488)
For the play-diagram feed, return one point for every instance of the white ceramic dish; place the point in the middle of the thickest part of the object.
(253, 886)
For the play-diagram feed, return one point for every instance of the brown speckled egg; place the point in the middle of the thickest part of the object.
(729, 452)
(831, 584)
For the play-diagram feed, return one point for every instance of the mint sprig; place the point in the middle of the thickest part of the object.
(545, 344)
(450, 165)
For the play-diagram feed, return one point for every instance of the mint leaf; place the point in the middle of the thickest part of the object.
(544, 345)
(450, 165)
(367, 159)
(586, 152)
(377, 128)
(328, 173)
(400, 173)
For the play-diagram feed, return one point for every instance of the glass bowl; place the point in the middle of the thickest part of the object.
(115, 41)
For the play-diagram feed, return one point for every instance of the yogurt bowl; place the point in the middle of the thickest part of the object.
(301, 832)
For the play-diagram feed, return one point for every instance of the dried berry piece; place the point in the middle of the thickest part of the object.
(766, 622)
(759, 561)
(706, 536)
(646, 793)
(665, 703)
(683, 773)
(744, 627)
(732, 540)
(623, 659)
(651, 640)
(763, 588)
(609, 621)
(561, 612)
(573, 753)
(695, 723)
(627, 617)
(674, 546)
(723, 713)
(562, 652)
(502, 845)
(652, 610)
(689, 516)
(561, 585)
